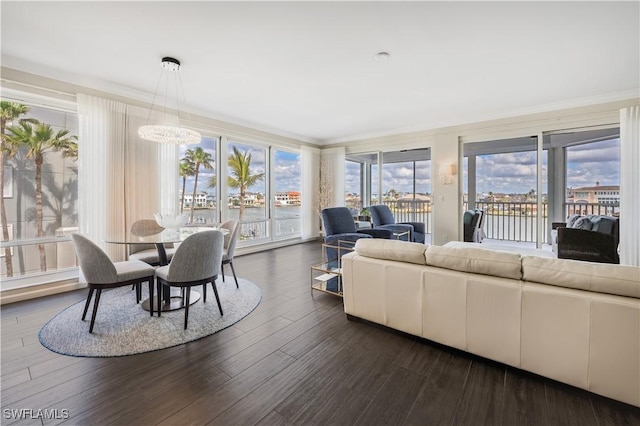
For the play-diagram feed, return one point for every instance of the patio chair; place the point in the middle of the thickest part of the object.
(101, 273)
(472, 226)
(592, 238)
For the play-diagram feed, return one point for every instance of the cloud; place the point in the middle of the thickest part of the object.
(398, 176)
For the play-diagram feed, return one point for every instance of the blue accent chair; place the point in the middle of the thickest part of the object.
(340, 231)
(383, 219)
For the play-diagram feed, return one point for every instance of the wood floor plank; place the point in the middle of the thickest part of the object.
(482, 399)
(391, 405)
(249, 356)
(524, 399)
(257, 404)
(437, 401)
(210, 404)
(614, 413)
(568, 406)
(274, 419)
(12, 379)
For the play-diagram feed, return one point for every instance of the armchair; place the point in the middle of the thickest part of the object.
(382, 218)
(473, 221)
(338, 224)
(339, 228)
(591, 238)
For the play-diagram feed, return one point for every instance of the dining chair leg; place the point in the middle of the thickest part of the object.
(221, 272)
(186, 308)
(138, 292)
(215, 291)
(204, 292)
(234, 273)
(86, 305)
(159, 298)
(95, 309)
(151, 296)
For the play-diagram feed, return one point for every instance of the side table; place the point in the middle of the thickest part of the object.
(327, 276)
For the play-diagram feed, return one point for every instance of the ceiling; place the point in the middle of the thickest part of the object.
(307, 69)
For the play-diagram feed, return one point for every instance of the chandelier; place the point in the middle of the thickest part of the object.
(165, 131)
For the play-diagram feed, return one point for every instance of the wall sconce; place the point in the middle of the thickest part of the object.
(446, 172)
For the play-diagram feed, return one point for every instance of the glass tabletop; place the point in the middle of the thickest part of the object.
(157, 235)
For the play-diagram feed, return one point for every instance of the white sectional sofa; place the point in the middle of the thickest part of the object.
(572, 321)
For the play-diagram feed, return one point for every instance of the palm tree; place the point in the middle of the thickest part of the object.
(9, 111)
(240, 176)
(198, 157)
(40, 138)
(213, 181)
(185, 169)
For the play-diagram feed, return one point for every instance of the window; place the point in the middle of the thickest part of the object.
(46, 151)
(406, 185)
(247, 189)
(593, 177)
(286, 195)
(199, 181)
(353, 185)
(502, 180)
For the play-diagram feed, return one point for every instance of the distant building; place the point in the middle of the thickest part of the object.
(289, 198)
(250, 200)
(598, 194)
(201, 199)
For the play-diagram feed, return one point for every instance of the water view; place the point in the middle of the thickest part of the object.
(254, 222)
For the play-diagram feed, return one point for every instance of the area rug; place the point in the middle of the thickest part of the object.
(123, 328)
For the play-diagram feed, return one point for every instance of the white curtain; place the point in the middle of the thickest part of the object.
(122, 178)
(332, 173)
(102, 133)
(310, 166)
(630, 186)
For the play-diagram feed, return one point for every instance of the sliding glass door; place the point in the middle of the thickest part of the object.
(406, 185)
(507, 180)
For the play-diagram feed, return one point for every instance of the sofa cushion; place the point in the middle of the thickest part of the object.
(597, 277)
(476, 260)
(522, 251)
(572, 219)
(400, 251)
(582, 222)
(603, 224)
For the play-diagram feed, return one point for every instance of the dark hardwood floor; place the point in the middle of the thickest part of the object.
(295, 360)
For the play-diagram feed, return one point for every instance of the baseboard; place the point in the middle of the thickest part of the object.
(32, 292)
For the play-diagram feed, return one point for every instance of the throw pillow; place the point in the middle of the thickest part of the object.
(583, 223)
(572, 219)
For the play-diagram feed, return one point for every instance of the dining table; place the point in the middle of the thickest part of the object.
(171, 299)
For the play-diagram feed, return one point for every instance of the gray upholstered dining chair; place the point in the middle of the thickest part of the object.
(101, 273)
(148, 253)
(196, 261)
(230, 241)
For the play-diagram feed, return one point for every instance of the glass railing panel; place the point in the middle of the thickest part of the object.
(57, 253)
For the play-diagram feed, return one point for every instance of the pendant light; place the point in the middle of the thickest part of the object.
(168, 130)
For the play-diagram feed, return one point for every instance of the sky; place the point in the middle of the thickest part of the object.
(286, 168)
(508, 173)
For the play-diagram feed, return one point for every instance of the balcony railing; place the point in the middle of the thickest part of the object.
(403, 211)
(509, 221)
(60, 258)
(517, 221)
